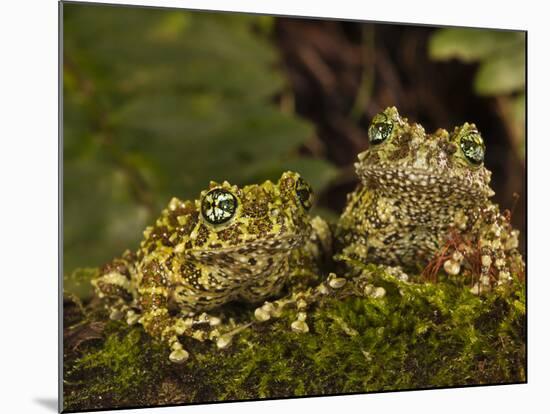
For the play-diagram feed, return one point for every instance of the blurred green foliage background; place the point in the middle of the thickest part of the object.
(157, 103)
(501, 72)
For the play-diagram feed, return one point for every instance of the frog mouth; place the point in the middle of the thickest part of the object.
(267, 246)
(423, 182)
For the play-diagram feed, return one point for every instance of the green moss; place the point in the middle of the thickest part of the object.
(113, 371)
(417, 336)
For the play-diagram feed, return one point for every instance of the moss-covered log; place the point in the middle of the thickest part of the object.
(416, 336)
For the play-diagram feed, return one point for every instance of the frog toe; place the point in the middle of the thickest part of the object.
(299, 326)
(178, 354)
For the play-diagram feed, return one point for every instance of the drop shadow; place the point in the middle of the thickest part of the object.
(49, 403)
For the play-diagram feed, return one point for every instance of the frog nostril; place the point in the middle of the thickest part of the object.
(450, 148)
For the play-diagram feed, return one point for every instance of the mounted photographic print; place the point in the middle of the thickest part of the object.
(260, 207)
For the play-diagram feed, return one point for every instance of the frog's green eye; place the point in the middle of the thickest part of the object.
(473, 147)
(379, 130)
(304, 193)
(218, 206)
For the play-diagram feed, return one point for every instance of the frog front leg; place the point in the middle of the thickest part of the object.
(271, 285)
(500, 260)
(302, 276)
(155, 295)
(202, 326)
(488, 251)
(153, 301)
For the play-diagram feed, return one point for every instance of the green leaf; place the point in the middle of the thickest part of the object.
(157, 104)
(501, 75)
(317, 172)
(470, 45)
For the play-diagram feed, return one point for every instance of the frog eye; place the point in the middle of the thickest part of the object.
(304, 193)
(473, 147)
(379, 130)
(218, 206)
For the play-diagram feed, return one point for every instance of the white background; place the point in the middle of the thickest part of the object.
(28, 203)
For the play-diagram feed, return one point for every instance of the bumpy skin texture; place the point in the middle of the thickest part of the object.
(423, 195)
(231, 244)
